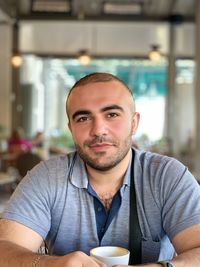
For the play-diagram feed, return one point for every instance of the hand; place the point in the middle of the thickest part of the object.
(77, 259)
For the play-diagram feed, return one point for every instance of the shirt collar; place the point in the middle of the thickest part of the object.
(78, 175)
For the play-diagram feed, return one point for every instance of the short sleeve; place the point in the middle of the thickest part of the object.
(30, 204)
(180, 198)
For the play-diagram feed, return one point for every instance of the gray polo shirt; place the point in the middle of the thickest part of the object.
(53, 201)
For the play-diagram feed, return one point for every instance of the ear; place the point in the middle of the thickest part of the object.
(136, 119)
(69, 125)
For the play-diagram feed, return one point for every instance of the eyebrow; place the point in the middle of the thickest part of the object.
(80, 112)
(112, 107)
(87, 112)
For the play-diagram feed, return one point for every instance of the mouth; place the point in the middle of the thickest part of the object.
(99, 147)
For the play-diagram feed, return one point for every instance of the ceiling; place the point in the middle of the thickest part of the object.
(114, 10)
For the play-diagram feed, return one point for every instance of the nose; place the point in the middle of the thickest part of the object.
(98, 127)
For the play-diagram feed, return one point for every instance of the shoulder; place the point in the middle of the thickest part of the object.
(48, 178)
(59, 162)
(159, 171)
(162, 175)
(52, 170)
(157, 162)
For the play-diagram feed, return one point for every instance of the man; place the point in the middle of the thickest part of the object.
(80, 201)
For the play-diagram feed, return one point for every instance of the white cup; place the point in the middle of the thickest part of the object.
(111, 255)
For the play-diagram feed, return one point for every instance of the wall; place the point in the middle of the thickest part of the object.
(5, 75)
(104, 38)
(100, 38)
(185, 115)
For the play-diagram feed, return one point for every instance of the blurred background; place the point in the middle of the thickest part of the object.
(152, 45)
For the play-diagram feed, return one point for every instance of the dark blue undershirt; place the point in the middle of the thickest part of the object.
(103, 217)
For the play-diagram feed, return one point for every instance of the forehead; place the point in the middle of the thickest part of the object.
(98, 93)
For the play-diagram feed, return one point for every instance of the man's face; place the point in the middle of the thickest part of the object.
(102, 121)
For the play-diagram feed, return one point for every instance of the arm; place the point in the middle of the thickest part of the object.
(187, 246)
(19, 245)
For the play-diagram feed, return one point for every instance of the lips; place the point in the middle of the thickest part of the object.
(100, 146)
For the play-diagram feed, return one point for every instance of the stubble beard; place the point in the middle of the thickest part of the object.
(112, 161)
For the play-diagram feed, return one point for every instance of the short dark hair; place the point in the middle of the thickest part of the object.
(98, 77)
(95, 78)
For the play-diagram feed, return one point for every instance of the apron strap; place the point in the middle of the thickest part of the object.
(135, 236)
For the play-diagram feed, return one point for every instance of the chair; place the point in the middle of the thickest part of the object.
(26, 162)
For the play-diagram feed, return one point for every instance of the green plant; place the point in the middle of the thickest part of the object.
(62, 140)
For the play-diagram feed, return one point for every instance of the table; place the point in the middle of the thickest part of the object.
(6, 178)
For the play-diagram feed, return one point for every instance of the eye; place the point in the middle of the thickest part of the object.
(82, 118)
(112, 115)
